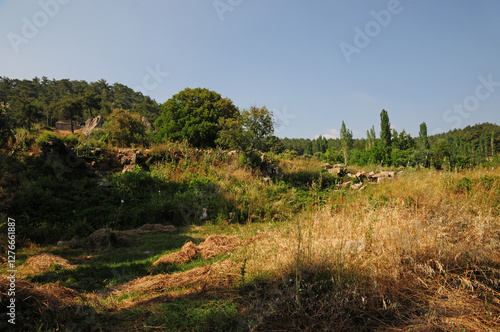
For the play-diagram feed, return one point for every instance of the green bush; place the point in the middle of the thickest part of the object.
(46, 137)
(22, 140)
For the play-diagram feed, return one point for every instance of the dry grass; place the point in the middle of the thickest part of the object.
(217, 275)
(44, 262)
(214, 245)
(417, 252)
(33, 301)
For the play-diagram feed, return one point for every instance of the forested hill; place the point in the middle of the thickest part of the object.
(47, 101)
(473, 134)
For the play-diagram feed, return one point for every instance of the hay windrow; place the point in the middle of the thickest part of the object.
(214, 245)
(218, 275)
(43, 262)
(38, 297)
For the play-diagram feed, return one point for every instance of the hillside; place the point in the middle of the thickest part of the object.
(192, 239)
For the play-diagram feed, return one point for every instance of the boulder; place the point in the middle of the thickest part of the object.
(357, 186)
(337, 171)
(146, 123)
(91, 124)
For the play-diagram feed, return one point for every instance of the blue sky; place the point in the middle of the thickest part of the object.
(313, 63)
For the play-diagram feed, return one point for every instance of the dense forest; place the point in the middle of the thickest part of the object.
(47, 101)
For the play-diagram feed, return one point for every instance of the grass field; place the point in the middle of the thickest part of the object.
(417, 253)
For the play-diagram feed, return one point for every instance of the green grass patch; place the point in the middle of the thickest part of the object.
(195, 315)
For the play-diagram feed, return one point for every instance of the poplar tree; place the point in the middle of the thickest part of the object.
(385, 129)
(346, 141)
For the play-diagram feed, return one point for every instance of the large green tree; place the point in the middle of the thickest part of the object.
(70, 108)
(194, 114)
(250, 131)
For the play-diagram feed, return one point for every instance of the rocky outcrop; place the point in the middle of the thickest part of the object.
(91, 124)
(146, 123)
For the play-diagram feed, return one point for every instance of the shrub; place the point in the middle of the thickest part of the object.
(125, 128)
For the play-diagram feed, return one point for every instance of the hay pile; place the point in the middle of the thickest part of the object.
(43, 262)
(218, 275)
(214, 245)
(102, 239)
(33, 299)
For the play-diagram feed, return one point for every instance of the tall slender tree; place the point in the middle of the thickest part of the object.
(423, 139)
(346, 141)
(492, 143)
(385, 129)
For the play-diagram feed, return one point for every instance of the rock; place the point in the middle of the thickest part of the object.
(103, 182)
(357, 186)
(128, 168)
(146, 123)
(327, 166)
(204, 215)
(337, 171)
(91, 124)
(362, 176)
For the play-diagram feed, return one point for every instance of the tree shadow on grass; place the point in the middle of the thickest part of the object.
(101, 269)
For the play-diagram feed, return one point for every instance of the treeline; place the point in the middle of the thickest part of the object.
(205, 119)
(458, 148)
(44, 101)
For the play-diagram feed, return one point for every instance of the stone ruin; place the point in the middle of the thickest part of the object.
(64, 125)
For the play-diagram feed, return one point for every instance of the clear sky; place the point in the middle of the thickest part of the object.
(313, 63)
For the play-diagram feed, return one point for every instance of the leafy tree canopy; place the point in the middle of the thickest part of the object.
(125, 128)
(194, 115)
(41, 100)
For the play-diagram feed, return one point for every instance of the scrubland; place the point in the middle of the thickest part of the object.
(420, 252)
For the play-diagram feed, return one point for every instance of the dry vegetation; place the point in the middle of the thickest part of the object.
(420, 253)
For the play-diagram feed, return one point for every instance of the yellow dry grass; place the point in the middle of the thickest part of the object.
(421, 242)
(214, 245)
(34, 299)
(44, 262)
(215, 276)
